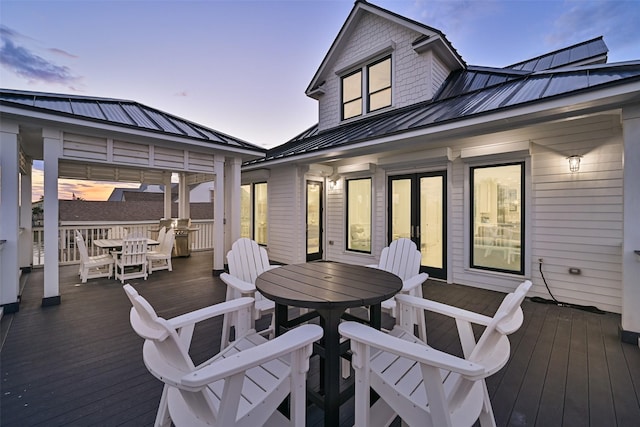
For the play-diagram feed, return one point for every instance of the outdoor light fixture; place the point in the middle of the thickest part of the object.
(574, 163)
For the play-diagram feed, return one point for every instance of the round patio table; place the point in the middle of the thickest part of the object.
(329, 288)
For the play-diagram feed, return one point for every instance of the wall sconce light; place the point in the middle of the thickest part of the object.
(574, 163)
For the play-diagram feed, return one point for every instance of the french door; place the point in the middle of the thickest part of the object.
(314, 220)
(417, 210)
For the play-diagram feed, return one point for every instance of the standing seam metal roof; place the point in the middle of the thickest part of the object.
(513, 92)
(119, 112)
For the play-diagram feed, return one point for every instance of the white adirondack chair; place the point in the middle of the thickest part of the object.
(161, 259)
(425, 386)
(247, 260)
(92, 267)
(403, 259)
(243, 385)
(131, 261)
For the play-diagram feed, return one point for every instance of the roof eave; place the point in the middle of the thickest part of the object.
(18, 112)
(554, 108)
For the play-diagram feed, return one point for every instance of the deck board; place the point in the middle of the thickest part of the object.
(80, 363)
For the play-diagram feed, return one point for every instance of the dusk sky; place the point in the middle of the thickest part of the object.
(242, 67)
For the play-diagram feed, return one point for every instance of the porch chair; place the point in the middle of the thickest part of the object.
(92, 267)
(403, 259)
(425, 386)
(161, 259)
(246, 261)
(131, 261)
(243, 385)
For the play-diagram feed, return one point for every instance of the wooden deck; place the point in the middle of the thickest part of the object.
(80, 363)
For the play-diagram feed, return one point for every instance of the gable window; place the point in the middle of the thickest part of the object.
(253, 212)
(359, 214)
(352, 95)
(497, 193)
(375, 80)
(379, 84)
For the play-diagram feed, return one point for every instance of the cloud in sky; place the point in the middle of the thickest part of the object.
(30, 66)
(618, 20)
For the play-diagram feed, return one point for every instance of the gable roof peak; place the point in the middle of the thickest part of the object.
(360, 7)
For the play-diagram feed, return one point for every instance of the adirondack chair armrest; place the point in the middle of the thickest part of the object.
(205, 313)
(447, 310)
(271, 267)
(421, 353)
(372, 265)
(302, 336)
(241, 286)
(414, 281)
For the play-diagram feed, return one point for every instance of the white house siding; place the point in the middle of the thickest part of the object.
(412, 75)
(286, 240)
(575, 219)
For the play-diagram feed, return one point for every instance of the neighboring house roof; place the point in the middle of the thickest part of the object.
(130, 211)
(462, 97)
(428, 35)
(118, 112)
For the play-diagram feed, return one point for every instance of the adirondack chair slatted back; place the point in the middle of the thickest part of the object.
(166, 244)
(161, 235)
(401, 258)
(174, 359)
(247, 260)
(82, 247)
(134, 251)
(493, 349)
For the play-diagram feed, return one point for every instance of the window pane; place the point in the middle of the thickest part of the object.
(352, 109)
(260, 213)
(245, 211)
(359, 215)
(352, 95)
(352, 87)
(497, 215)
(380, 100)
(380, 76)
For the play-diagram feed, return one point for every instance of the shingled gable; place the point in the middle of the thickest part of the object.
(429, 38)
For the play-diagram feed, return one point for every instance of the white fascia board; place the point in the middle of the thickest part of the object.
(36, 117)
(553, 109)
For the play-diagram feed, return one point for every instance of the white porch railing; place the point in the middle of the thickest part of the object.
(199, 240)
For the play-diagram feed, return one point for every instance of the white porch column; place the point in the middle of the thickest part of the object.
(631, 224)
(219, 250)
(183, 196)
(52, 144)
(9, 216)
(232, 195)
(167, 194)
(26, 226)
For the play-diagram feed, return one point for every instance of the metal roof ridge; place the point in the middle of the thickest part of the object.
(555, 51)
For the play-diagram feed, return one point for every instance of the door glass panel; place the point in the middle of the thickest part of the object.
(245, 211)
(260, 213)
(400, 208)
(313, 218)
(431, 221)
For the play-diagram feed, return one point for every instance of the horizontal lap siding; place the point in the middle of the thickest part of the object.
(286, 239)
(579, 216)
(575, 220)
